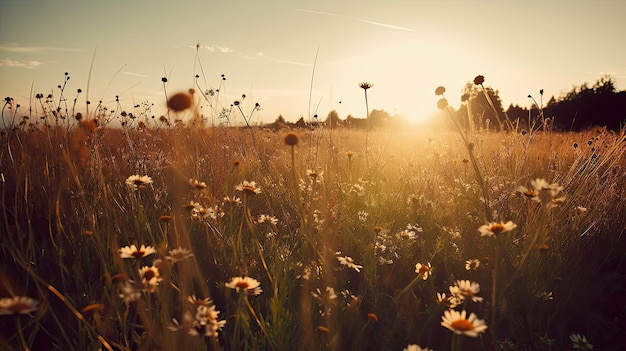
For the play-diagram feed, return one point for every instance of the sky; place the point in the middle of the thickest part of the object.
(299, 58)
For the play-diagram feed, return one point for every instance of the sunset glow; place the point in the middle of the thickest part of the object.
(298, 59)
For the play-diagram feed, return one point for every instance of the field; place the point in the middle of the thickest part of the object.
(323, 239)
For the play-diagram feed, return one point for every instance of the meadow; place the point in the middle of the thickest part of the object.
(178, 236)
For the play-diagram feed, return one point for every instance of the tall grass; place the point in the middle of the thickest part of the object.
(348, 254)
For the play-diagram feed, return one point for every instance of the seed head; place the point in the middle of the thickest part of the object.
(291, 139)
(442, 104)
(180, 102)
(479, 80)
(365, 85)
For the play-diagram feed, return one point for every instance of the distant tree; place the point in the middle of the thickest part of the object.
(519, 116)
(300, 123)
(586, 106)
(480, 108)
(353, 122)
(332, 120)
(379, 118)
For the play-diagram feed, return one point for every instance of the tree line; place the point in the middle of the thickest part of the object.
(583, 107)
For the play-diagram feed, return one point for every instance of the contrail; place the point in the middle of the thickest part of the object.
(384, 25)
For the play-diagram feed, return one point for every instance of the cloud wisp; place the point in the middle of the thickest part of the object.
(212, 48)
(136, 74)
(379, 24)
(30, 64)
(15, 48)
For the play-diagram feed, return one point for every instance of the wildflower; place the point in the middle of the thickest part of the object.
(352, 301)
(199, 212)
(150, 277)
(267, 219)
(458, 323)
(232, 201)
(205, 322)
(18, 305)
(372, 316)
(424, 270)
(362, 216)
(133, 252)
(542, 191)
(138, 182)
(411, 232)
(555, 202)
(197, 184)
(365, 85)
(440, 90)
(414, 347)
(544, 247)
(505, 344)
(472, 265)
(529, 193)
(329, 294)
(178, 254)
(478, 80)
(348, 262)
(494, 228)
(441, 297)
(291, 139)
(544, 295)
(195, 301)
(464, 289)
(249, 188)
(316, 176)
(128, 291)
(249, 286)
(451, 301)
(580, 342)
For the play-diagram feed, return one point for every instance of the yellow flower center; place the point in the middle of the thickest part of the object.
(149, 275)
(241, 285)
(497, 228)
(462, 325)
(469, 293)
(249, 189)
(138, 254)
